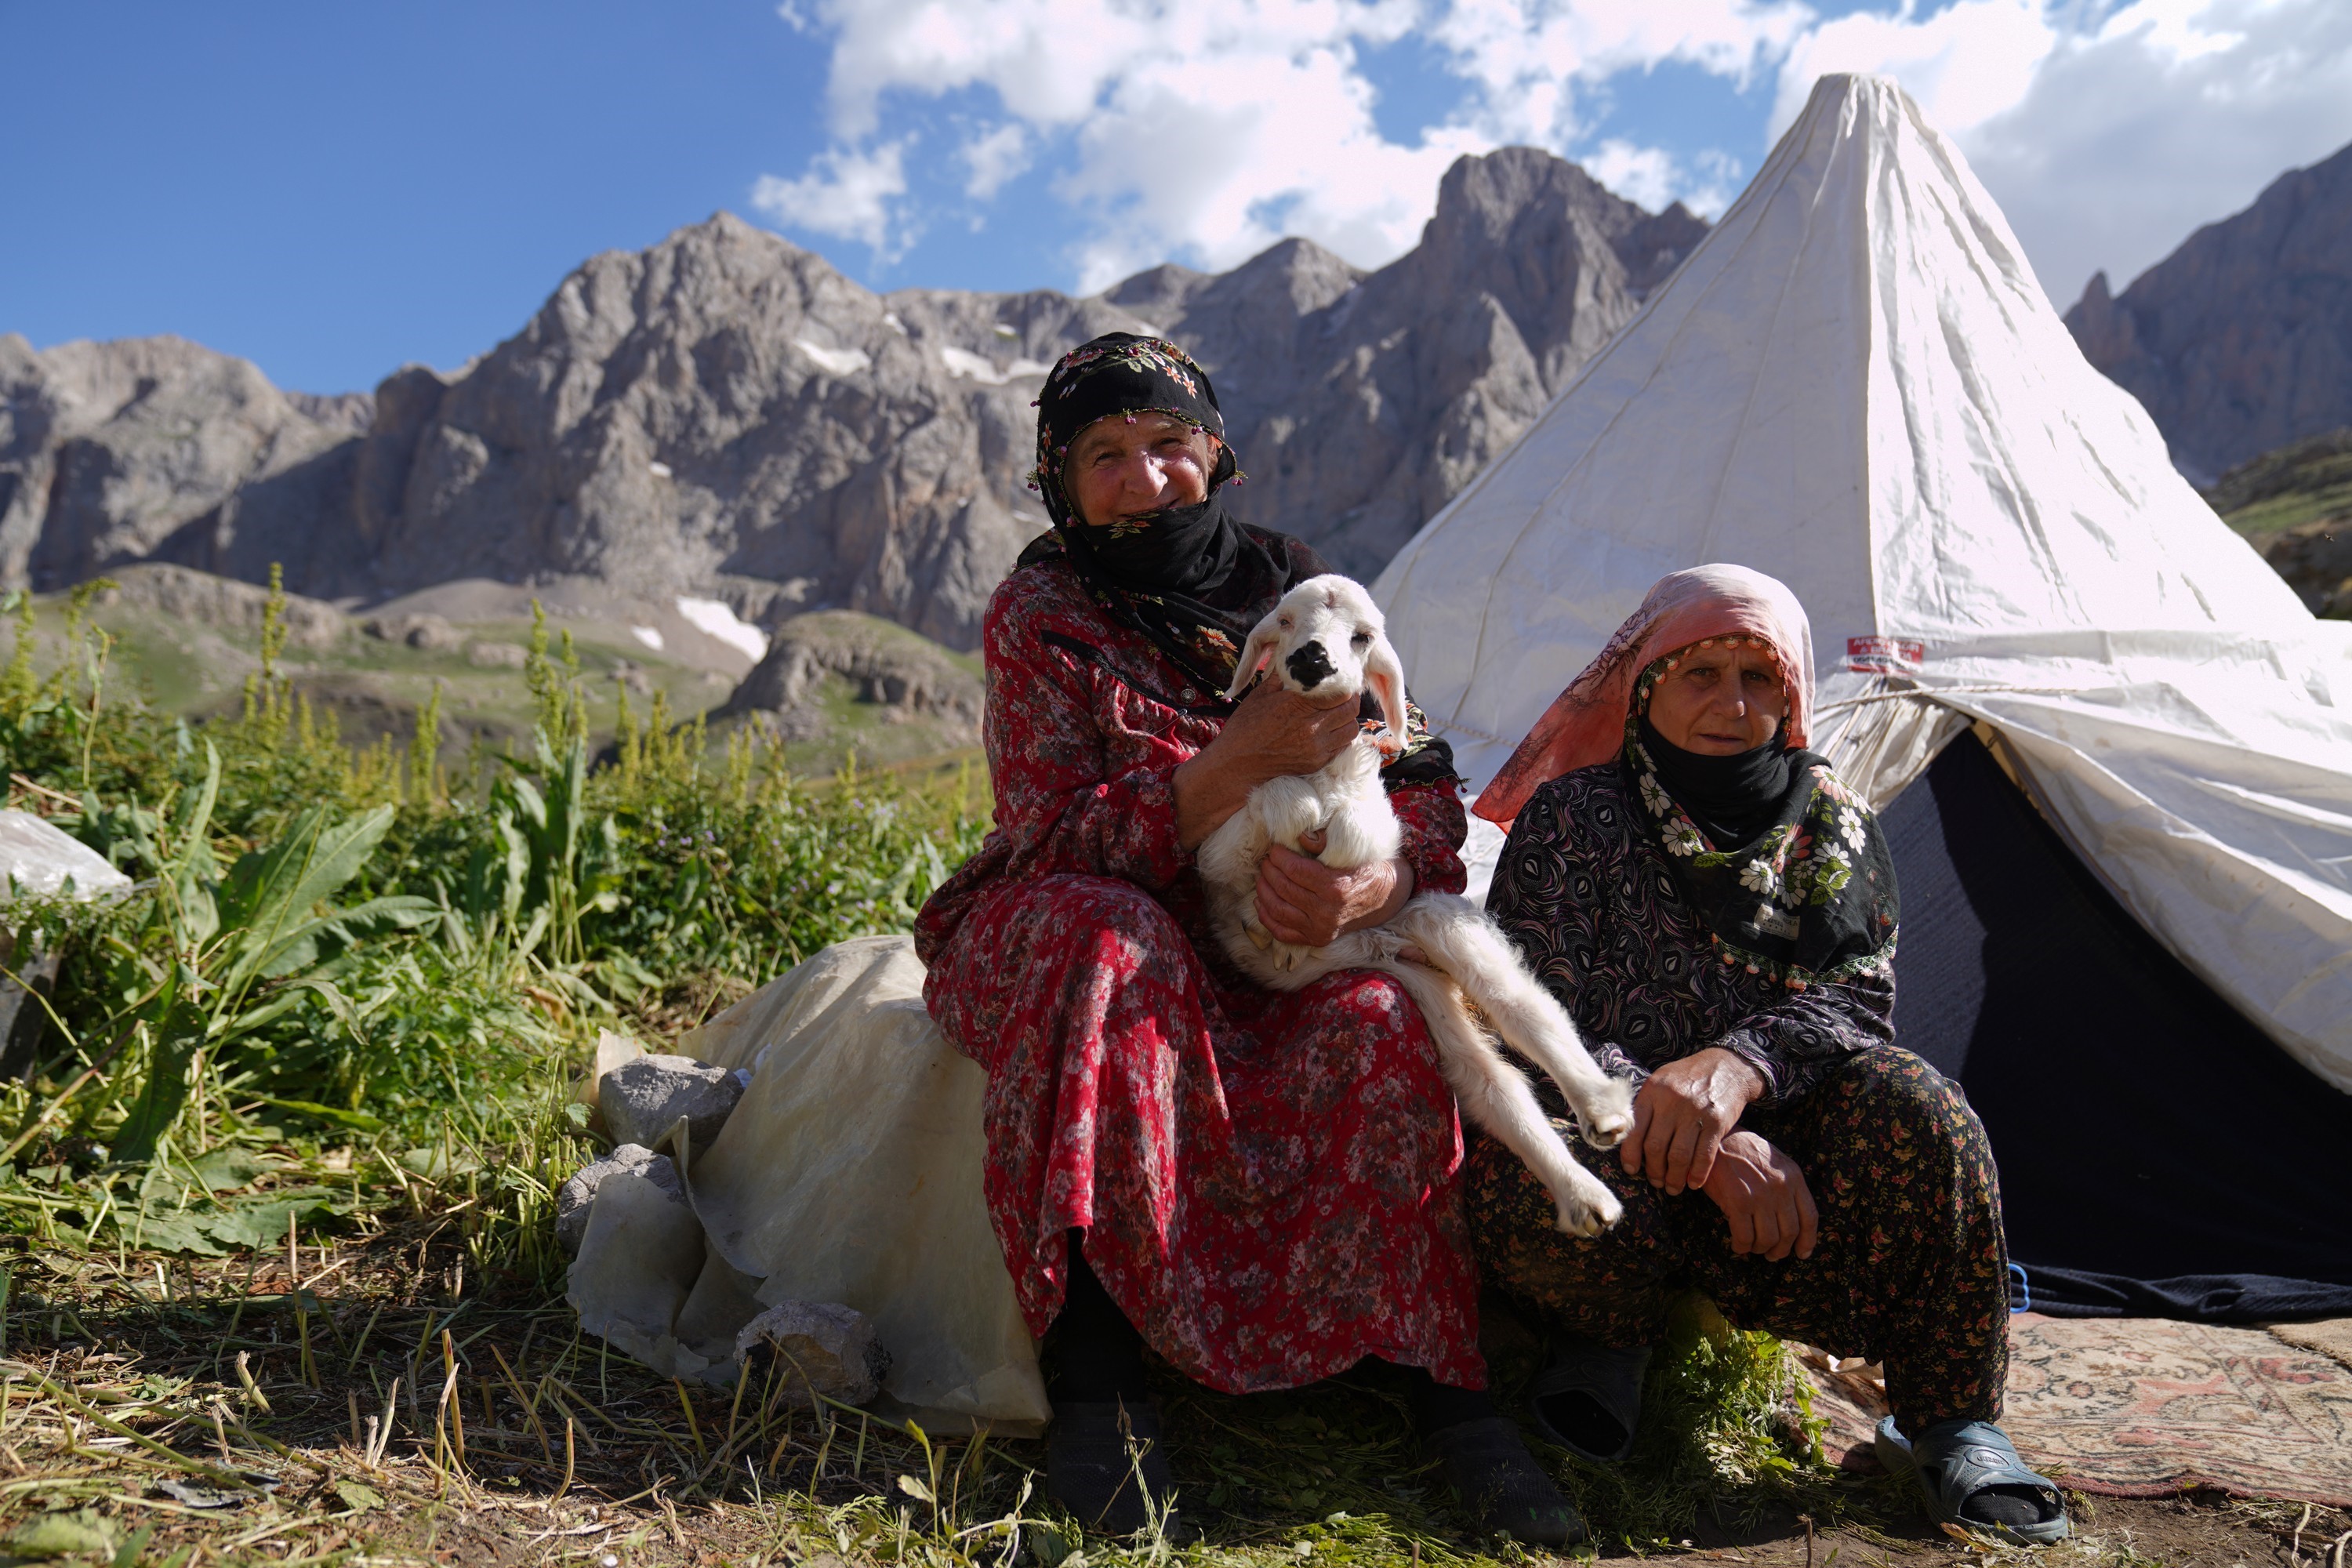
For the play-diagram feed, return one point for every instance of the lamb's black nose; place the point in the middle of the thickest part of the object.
(1309, 665)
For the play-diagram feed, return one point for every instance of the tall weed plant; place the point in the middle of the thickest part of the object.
(346, 947)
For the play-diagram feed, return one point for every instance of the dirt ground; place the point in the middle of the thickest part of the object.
(357, 1405)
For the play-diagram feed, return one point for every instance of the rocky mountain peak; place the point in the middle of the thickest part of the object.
(2241, 340)
(725, 409)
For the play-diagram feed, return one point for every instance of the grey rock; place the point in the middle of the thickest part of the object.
(497, 655)
(420, 631)
(642, 1099)
(886, 665)
(124, 451)
(2315, 559)
(573, 1198)
(2241, 340)
(221, 603)
(724, 413)
(820, 1346)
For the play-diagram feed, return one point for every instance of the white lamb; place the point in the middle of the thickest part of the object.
(1325, 638)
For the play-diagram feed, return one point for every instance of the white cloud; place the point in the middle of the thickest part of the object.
(1206, 129)
(1964, 65)
(2108, 133)
(991, 159)
(1657, 179)
(846, 193)
(1531, 59)
(1210, 129)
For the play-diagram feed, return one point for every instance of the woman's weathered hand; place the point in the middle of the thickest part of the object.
(1764, 1197)
(1274, 733)
(1682, 1115)
(1304, 902)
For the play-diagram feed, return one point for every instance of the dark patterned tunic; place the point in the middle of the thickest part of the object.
(1269, 1183)
(1910, 1266)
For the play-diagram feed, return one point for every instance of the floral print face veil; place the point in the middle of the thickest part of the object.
(1813, 899)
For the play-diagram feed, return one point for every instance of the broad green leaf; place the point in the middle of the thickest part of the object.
(226, 1170)
(259, 1225)
(438, 1164)
(175, 1022)
(270, 893)
(300, 948)
(529, 804)
(167, 1233)
(84, 1532)
(358, 1498)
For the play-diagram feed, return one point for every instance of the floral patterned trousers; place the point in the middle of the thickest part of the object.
(1269, 1183)
(1910, 1267)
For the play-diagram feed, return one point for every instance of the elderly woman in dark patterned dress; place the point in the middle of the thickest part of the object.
(1718, 913)
(1263, 1188)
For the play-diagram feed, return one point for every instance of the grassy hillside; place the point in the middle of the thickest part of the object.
(2294, 505)
(372, 686)
(2289, 488)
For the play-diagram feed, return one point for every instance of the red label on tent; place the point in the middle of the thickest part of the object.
(1885, 655)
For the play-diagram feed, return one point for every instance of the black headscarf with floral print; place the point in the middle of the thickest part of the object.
(1193, 580)
(1796, 881)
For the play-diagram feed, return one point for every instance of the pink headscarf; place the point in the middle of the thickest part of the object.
(1586, 724)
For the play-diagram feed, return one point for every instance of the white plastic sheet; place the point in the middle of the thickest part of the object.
(851, 1171)
(1856, 385)
(41, 861)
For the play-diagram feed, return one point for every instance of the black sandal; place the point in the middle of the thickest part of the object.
(1589, 1400)
(1502, 1488)
(1971, 1475)
(1108, 1464)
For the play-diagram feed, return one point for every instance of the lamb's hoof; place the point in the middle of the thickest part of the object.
(1259, 935)
(1608, 1130)
(1580, 1217)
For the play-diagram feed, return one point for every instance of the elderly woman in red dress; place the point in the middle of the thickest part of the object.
(1263, 1188)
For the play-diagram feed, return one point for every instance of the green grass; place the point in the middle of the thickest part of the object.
(283, 1140)
(2297, 484)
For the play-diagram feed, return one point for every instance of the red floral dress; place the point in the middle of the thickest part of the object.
(1269, 1183)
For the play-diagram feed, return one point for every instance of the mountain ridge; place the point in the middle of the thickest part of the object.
(724, 412)
(2240, 341)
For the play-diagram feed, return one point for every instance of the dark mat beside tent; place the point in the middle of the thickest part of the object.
(2158, 1154)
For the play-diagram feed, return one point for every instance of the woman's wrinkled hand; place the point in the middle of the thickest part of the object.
(1302, 900)
(1274, 733)
(1764, 1197)
(1682, 1115)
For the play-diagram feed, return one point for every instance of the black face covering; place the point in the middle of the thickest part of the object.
(1732, 799)
(1193, 580)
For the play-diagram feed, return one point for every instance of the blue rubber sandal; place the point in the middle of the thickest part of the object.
(1955, 1460)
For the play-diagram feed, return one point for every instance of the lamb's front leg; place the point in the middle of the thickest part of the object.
(1363, 832)
(1288, 809)
(1492, 1093)
(1460, 938)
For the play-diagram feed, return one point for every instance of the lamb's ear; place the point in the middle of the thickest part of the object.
(1384, 674)
(1255, 654)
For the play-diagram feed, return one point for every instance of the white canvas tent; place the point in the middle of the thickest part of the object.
(1856, 385)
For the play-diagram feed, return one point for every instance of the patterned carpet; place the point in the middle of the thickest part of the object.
(2143, 1407)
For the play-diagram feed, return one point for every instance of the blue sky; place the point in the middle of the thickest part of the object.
(332, 190)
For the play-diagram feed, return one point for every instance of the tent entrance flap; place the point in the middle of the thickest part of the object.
(2158, 1150)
